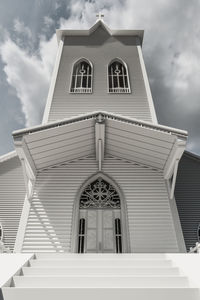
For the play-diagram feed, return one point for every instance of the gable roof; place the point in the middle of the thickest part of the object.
(192, 156)
(8, 156)
(60, 33)
(142, 142)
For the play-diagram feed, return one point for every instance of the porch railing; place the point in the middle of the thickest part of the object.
(195, 249)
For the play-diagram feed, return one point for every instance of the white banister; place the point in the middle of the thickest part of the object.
(195, 249)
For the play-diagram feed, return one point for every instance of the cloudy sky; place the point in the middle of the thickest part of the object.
(171, 51)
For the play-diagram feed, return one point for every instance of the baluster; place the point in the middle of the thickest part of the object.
(112, 78)
(76, 75)
(82, 71)
(87, 77)
(117, 72)
(123, 76)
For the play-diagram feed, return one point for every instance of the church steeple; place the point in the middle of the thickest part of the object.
(99, 69)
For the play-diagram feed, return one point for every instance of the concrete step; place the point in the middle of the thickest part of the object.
(77, 271)
(100, 263)
(99, 281)
(100, 293)
(100, 256)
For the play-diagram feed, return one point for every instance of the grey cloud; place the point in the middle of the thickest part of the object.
(171, 47)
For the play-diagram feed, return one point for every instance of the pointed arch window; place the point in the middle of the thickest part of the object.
(81, 81)
(118, 79)
(100, 194)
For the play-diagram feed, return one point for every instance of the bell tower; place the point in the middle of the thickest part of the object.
(99, 69)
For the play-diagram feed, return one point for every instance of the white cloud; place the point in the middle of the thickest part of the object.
(171, 49)
(20, 28)
(29, 75)
(48, 21)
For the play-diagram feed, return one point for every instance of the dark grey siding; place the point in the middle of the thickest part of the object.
(100, 48)
(12, 195)
(187, 195)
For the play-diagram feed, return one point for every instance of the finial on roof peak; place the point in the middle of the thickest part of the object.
(99, 16)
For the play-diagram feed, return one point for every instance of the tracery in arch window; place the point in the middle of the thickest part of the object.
(100, 194)
(81, 81)
(118, 79)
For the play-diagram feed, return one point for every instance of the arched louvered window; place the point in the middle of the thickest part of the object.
(118, 79)
(82, 77)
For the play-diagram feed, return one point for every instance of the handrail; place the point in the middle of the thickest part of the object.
(195, 249)
(3, 248)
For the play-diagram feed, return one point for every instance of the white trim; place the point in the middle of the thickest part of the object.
(175, 154)
(92, 74)
(8, 156)
(22, 226)
(60, 33)
(127, 72)
(176, 221)
(174, 179)
(136, 122)
(100, 154)
(53, 82)
(124, 215)
(100, 135)
(24, 154)
(30, 165)
(147, 86)
(26, 179)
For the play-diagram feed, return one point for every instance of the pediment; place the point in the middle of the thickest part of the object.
(145, 143)
(60, 33)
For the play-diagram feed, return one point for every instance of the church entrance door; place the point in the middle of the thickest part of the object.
(100, 231)
(99, 219)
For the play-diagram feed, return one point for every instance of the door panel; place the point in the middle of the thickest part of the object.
(91, 231)
(107, 231)
(101, 234)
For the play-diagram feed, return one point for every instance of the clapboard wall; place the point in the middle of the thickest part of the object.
(187, 195)
(12, 195)
(150, 222)
(100, 48)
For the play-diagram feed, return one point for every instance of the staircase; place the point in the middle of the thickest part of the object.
(61, 276)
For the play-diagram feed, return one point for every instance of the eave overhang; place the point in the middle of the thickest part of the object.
(101, 133)
(8, 156)
(60, 33)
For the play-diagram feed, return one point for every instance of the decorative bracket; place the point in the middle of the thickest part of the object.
(28, 167)
(100, 139)
(173, 183)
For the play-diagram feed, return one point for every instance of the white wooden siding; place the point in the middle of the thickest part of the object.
(50, 221)
(100, 49)
(12, 195)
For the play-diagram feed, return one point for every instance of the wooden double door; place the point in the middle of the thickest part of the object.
(100, 231)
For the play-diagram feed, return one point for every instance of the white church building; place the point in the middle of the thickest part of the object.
(87, 199)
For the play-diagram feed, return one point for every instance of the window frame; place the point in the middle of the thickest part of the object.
(127, 74)
(71, 77)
